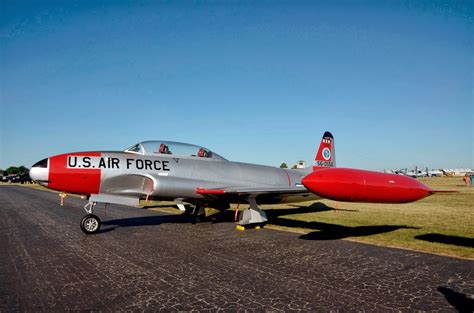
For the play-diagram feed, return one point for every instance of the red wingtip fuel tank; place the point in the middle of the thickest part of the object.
(353, 185)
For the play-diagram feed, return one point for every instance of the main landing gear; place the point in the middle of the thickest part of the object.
(90, 224)
(198, 214)
(253, 215)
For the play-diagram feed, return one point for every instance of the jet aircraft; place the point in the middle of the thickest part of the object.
(186, 173)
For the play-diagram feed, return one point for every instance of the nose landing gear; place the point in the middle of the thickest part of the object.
(90, 224)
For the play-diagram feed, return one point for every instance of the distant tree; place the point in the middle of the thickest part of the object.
(294, 167)
(12, 170)
(283, 165)
(22, 169)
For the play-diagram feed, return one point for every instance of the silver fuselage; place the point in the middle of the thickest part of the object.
(175, 177)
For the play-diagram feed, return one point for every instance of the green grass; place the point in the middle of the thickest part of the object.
(35, 186)
(441, 224)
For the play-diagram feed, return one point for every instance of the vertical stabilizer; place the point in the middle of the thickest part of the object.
(326, 155)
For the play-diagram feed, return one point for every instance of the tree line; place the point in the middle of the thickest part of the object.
(284, 165)
(13, 170)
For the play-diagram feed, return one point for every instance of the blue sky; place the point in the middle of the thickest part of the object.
(257, 82)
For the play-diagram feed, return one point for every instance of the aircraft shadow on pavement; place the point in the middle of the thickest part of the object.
(273, 214)
(458, 300)
(450, 240)
(144, 221)
(325, 231)
(151, 206)
(316, 207)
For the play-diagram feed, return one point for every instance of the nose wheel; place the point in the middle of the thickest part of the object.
(90, 224)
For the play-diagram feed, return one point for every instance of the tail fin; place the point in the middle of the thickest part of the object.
(326, 156)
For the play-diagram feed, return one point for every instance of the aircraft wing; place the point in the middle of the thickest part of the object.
(263, 195)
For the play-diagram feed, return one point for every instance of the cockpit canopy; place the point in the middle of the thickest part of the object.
(179, 149)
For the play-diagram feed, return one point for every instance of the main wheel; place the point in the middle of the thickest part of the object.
(90, 224)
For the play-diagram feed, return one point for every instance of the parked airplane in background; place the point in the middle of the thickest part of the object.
(185, 173)
(419, 172)
(415, 173)
(433, 172)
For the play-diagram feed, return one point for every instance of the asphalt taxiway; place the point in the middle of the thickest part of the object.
(149, 260)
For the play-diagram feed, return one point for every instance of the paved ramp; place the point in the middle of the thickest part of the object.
(151, 260)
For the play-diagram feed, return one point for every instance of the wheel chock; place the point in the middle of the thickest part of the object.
(240, 227)
(257, 227)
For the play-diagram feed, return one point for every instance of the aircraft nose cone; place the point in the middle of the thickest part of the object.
(40, 172)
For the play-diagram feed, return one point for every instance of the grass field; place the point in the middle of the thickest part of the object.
(441, 224)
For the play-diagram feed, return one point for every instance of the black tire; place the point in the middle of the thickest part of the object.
(90, 224)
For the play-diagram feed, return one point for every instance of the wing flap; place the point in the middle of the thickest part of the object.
(253, 190)
(264, 195)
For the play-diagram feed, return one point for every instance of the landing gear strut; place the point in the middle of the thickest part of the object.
(253, 215)
(90, 224)
(199, 213)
